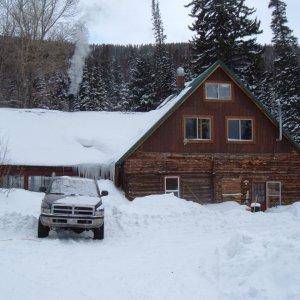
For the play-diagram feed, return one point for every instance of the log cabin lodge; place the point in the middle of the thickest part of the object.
(210, 142)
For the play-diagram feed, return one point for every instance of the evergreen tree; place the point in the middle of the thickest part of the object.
(163, 69)
(141, 86)
(105, 68)
(224, 30)
(84, 100)
(120, 91)
(41, 96)
(92, 95)
(286, 72)
(59, 84)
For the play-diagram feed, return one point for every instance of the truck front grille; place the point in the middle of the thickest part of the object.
(85, 211)
(62, 210)
(58, 209)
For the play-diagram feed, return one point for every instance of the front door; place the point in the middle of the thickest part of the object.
(259, 194)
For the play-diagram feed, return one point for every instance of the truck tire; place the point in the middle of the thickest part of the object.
(43, 231)
(99, 233)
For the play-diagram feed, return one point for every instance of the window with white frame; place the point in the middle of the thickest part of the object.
(273, 189)
(218, 91)
(197, 128)
(240, 129)
(172, 185)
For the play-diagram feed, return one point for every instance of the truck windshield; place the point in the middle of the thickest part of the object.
(74, 186)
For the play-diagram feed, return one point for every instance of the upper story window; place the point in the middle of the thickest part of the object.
(198, 128)
(218, 91)
(240, 129)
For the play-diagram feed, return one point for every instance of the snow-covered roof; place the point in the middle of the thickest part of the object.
(38, 137)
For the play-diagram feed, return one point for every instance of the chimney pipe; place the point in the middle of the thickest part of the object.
(180, 79)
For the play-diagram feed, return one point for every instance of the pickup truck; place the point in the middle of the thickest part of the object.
(72, 203)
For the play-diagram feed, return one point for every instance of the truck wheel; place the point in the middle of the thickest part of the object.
(43, 231)
(99, 233)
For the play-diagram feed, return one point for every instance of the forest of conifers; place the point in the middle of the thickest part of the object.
(107, 74)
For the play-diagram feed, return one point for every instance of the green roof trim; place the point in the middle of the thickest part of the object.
(193, 85)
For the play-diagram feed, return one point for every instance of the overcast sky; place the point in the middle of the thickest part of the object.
(129, 21)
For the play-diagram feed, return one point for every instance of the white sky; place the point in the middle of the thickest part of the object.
(129, 21)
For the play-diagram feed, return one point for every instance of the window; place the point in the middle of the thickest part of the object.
(198, 128)
(240, 130)
(273, 193)
(13, 181)
(218, 91)
(35, 182)
(172, 185)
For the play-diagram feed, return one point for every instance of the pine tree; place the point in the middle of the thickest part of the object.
(92, 94)
(41, 96)
(120, 91)
(163, 69)
(59, 84)
(224, 30)
(141, 86)
(286, 72)
(105, 68)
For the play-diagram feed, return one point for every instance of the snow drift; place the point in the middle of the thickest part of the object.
(156, 247)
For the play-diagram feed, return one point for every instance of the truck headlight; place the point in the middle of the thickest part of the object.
(46, 210)
(99, 212)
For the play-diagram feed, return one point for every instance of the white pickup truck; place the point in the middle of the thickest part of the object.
(74, 204)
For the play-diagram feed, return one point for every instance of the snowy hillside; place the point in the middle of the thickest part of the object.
(157, 247)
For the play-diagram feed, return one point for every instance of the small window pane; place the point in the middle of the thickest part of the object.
(211, 90)
(224, 91)
(246, 129)
(171, 184)
(13, 181)
(233, 129)
(273, 188)
(274, 201)
(191, 128)
(204, 129)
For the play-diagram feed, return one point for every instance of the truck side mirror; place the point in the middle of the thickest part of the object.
(104, 193)
(42, 189)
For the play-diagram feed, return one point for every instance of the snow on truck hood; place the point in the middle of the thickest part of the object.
(37, 137)
(78, 200)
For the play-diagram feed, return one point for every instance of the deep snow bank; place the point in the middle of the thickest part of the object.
(156, 247)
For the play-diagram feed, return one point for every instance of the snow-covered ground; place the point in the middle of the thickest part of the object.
(157, 247)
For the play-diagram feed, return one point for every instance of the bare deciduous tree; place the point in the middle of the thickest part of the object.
(27, 24)
(36, 19)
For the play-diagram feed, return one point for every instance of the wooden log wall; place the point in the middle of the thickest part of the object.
(211, 177)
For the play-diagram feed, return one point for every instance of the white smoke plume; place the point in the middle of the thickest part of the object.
(82, 50)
